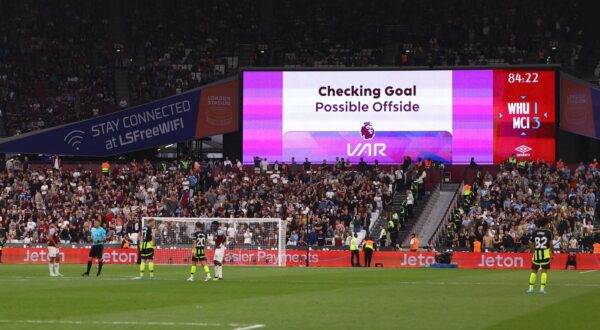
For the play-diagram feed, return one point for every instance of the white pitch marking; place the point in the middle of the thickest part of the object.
(189, 324)
(588, 271)
(113, 323)
(254, 326)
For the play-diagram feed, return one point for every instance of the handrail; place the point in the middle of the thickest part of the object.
(449, 209)
(379, 211)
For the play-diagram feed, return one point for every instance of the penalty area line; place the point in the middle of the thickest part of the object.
(254, 326)
(588, 271)
(150, 323)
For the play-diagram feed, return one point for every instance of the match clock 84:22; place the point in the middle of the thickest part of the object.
(525, 78)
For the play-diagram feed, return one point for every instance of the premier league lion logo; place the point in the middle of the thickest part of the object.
(367, 132)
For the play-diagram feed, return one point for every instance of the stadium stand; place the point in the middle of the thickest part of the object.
(50, 72)
(168, 53)
(65, 67)
(334, 200)
(501, 208)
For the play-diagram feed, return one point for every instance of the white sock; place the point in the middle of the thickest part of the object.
(220, 271)
(56, 264)
(51, 268)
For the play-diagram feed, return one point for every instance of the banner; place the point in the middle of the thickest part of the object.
(445, 115)
(67, 255)
(188, 116)
(387, 259)
(579, 107)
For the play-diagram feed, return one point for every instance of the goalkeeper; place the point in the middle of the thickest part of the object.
(198, 252)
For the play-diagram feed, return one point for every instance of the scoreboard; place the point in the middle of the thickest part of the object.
(524, 114)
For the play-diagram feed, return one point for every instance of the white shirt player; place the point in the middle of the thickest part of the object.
(52, 249)
(53, 253)
(220, 241)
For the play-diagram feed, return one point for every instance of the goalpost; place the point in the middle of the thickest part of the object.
(250, 241)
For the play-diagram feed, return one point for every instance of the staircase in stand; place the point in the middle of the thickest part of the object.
(420, 207)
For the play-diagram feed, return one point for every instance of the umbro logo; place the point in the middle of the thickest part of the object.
(523, 150)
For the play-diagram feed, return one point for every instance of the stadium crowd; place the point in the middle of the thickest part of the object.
(58, 63)
(324, 204)
(450, 33)
(50, 73)
(175, 48)
(334, 200)
(499, 212)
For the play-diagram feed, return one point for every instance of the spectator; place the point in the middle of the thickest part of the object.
(509, 210)
(414, 243)
(410, 201)
(488, 241)
(573, 244)
(248, 237)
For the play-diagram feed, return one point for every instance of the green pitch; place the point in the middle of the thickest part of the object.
(295, 298)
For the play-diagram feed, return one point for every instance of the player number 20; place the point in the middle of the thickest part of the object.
(200, 242)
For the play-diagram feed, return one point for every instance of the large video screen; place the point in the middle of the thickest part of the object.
(445, 115)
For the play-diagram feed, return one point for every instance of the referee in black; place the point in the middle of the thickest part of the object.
(98, 240)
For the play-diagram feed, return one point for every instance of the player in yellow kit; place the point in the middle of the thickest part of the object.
(147, 240)
(198, 252)
(541, 245)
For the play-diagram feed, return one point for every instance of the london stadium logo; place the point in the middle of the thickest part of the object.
(367, 131)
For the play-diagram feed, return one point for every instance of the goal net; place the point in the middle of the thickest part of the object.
(250, 241)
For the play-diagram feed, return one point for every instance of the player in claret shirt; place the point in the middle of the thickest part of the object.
(541, 245)
(198, 252)
(53, 252)
(219, 237)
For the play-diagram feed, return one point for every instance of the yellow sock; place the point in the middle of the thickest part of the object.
(151, 268)
(193, 271)
(142, 266)
(544, 279)
(532, 279)
(206, 269)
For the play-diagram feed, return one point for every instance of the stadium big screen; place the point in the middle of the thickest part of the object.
(445, 115)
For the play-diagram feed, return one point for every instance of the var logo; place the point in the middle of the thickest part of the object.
(366, 149)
